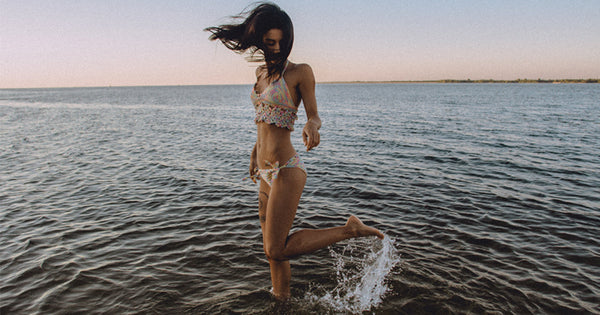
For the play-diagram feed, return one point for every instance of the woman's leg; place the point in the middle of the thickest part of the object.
(277, 217)
(280, 268)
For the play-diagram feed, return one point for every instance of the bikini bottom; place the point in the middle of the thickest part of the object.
(270, 174)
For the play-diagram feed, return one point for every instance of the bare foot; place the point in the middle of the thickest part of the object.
(358, 229)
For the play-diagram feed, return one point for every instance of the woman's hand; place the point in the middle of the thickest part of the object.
(310, 134)
(253, 168)
(253, 165)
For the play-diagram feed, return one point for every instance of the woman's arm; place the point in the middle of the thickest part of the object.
(253, 164)
(310, 133)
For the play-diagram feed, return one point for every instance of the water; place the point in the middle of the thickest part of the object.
(130, 200)
(360, 279)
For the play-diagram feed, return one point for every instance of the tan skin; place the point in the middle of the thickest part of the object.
(278, 203)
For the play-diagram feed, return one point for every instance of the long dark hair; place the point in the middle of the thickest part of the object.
(247, 36)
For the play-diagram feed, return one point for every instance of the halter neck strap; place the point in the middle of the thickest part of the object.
(285, 68)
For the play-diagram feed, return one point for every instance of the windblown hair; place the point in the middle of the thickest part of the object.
(247, 36)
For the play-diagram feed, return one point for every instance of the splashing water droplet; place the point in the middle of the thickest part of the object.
(360, 279)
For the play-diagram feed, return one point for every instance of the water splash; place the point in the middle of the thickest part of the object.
(360, 279)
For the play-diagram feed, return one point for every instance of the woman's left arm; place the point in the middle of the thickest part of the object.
(310, 133)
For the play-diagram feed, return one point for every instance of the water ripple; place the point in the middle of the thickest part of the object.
(130, 200)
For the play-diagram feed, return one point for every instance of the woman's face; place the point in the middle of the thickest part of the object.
(272, 41)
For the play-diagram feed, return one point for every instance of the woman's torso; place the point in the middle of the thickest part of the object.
(273, 142)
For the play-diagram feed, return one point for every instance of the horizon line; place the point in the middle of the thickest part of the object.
(519, 80)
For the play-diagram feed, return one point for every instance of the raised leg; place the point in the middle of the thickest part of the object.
(277, 209)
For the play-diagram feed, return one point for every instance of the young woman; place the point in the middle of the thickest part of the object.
(267, 33)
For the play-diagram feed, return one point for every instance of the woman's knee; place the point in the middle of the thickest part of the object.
(274, 252)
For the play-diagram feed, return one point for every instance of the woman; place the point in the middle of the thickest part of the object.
(281, 85)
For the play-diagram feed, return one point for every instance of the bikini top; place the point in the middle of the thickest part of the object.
(275, 105)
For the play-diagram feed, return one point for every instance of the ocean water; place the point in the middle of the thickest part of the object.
(130, 200)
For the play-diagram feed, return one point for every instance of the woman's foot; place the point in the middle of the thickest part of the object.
(357, 229)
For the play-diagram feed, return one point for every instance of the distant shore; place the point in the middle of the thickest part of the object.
(556, 81)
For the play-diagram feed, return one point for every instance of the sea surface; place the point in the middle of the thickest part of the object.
(127, 200)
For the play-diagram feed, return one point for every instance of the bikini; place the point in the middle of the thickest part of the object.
(275, 106)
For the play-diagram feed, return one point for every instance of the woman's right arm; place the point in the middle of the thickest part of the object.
(253, 164)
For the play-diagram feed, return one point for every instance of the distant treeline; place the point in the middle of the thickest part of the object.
(484, 81)
(523, 81)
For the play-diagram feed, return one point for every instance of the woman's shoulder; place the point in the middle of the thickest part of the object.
(260, 70)
(300, 67)
(300, 71)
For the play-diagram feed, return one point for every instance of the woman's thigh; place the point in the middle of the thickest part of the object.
(282, 204)
(263, 200)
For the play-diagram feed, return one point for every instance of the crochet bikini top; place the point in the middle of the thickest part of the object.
(275, 105)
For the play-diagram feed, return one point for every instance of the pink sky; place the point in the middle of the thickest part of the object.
(99, 43)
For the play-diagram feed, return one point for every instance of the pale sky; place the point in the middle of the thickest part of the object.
(69, 43)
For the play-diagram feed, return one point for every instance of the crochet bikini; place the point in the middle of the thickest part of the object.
(275, 106)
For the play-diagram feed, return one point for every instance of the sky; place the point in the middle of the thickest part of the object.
(72, 43)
